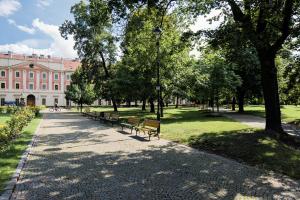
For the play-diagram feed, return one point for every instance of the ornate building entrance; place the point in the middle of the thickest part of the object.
(30, 100)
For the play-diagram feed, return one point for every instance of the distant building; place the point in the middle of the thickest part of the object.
(35, 79)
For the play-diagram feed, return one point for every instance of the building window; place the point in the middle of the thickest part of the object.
(2, 85)
(44, 75)
(43, 101)
(56, 76)
(2, 101)
(68, 87)
(44, 86)
(68, 77)
(31, 75)
(17, 102)
(17, 74)
(2, 73)
(17, 86)
(30, 86)
(56, 87)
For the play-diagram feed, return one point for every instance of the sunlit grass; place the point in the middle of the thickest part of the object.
(289, 113)
(10, 157)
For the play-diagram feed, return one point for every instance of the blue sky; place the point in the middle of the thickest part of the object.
(31, 26)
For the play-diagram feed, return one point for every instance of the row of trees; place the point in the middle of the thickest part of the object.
(241, 59)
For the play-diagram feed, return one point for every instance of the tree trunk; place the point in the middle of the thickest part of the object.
(135, 103)
(115, 105)
(241, 97)
(233, 104)
(270, 91)
(81, 106)
(152, 107)
(144, 105)
(176, 102)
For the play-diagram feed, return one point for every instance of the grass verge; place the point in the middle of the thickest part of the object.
(253, 147)
(10, 157)
(289, 113)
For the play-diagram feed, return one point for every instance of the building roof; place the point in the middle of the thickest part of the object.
(68, 64)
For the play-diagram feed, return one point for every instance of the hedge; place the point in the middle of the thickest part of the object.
(15, 125)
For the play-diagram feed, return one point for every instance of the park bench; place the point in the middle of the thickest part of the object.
(93, 115)
(104, 116)
(150, 127)
(113, 118)
(86, 111)
(131, 123)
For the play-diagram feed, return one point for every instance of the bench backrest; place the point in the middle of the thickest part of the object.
(114, 116)
(151, 123)
(106, 115)
(133, 121)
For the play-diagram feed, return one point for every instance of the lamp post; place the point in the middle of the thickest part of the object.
(157, 31)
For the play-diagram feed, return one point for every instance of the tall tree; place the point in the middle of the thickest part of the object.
(95, 44)
(80, 90)
(267, 24)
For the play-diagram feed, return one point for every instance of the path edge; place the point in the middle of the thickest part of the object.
(11, 185)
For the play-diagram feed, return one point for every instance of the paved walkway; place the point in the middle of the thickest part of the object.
(259, 122)
(77, 158)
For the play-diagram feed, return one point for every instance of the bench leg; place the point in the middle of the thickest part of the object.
(131, 130)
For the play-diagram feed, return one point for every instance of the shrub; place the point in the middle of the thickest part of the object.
(2, 109)
(15, 125)
(36, 110)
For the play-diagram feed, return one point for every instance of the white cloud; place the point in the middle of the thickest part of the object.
(22, 28)
(60, 46)
(24, 49)
(8, 7)
(43, 3)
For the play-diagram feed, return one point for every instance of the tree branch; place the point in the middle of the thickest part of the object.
(285, 26)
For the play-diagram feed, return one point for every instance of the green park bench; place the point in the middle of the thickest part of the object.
(131, 123)
(113, 118)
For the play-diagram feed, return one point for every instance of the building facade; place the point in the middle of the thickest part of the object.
(35, 79)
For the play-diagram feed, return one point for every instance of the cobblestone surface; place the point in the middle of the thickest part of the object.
(77, 158)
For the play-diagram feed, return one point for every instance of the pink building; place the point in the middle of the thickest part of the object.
(35, 79)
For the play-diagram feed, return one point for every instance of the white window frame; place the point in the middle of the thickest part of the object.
(44, 73)
(16, 85)
(31, 72)
(55, 76)
(4, 73)
(1, 85)
(44, 84)
(57, 87)
(16, 74)
(32, 86)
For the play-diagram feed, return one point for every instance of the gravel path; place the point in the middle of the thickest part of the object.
(259, 122)
(77, 158)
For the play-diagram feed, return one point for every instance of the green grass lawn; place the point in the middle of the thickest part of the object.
(10, 157)
(225, 137)
(3, 118)
(289, 113)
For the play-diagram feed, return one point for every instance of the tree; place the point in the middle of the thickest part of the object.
(214, 78)
(267, 25)
(95, 44)
(80, 90)
(237, 49)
